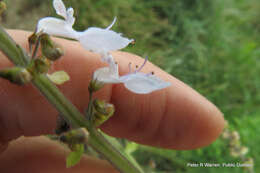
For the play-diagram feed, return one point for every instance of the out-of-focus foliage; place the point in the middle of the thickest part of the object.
(214, 46)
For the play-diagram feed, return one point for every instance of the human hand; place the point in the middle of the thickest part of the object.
(176, 117)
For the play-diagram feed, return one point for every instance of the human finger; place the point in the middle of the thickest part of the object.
(176, 117)
(41, 155)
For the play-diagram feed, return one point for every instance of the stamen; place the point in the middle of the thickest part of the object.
(129, 66)
(110, 26)
(140, 68)
(152, 73)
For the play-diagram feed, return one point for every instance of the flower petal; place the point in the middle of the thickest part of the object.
(141, 83)
(70, 18)
(56, 27)
(102, 40)
(60, 8)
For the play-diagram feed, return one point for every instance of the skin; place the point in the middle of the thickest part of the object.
(176, 117)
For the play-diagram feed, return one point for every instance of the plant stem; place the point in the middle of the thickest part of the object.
(60, 102)
(65, 107)
(72, 115)
(97, 141)
(89, 109)
(13, 51)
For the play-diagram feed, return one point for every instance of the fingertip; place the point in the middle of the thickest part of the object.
(190, 123)
(211, 129)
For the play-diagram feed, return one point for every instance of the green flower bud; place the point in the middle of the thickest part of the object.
(103, 111)
(16, 75)
(95, 85)
(76, 136)
(50, 50)
(33, 39)
(41, 65)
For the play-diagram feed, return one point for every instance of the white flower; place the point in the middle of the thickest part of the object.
(94, 39)
(58, 27)
(103, 41)
(137, 82)
(108, 74)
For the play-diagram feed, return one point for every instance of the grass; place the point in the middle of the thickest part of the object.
(214, 46)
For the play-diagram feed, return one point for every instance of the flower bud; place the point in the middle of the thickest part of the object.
(16, 75)
(41, 65)
(76, 136)
(33, 38)
(50, 50)
(103, 111)
(102, 107)
(95, 85)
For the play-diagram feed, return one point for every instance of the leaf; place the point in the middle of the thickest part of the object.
(131, 147)
(74, 157)
(59, 77)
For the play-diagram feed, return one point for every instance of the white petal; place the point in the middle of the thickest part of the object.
(106, 75)
(110, 26)
(56, 27)
(60, 8)
(70, 19)
(141, 83)
(101, 40)
(108, 58)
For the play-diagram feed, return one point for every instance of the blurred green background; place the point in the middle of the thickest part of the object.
(213, 46)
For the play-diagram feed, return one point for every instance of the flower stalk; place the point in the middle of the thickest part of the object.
(70, 113)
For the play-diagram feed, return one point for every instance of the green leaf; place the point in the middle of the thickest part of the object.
(74, 157)
(59, 77)
(131, 147)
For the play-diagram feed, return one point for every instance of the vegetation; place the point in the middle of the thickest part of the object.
(214, 46)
